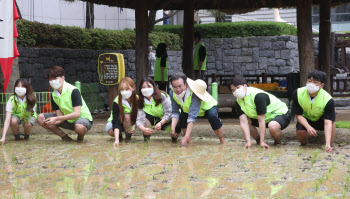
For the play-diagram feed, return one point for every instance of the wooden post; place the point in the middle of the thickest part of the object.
(187, 53)
(324, 46)
(113, 92)
(332, 48)
(264, 78)
(305, 41)
(141, 62)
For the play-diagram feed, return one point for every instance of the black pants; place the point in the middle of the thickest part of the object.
(161, 86)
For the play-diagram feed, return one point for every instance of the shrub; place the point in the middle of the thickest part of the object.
(234, 29)
(35, 34)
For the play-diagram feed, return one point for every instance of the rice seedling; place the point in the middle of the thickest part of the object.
(331, 168)
(52, 165)
(103, 188)
(299, 152)
(316, 188)
(38, 195)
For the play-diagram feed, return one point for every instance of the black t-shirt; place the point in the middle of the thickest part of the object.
(329, 110)
(76, 100)
(116, 119)
(163, 61)
(202, 53)
(261, 102)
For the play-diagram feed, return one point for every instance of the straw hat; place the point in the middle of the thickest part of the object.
(199, 87)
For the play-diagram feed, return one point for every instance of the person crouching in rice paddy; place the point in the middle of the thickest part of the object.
(193, 100)
(20, 109)
(72, 112)
(257, 108)
(154, 113)
(124, 112)
(314, 109)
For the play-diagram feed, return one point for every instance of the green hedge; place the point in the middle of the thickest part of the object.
(234, 29)
(35, 34)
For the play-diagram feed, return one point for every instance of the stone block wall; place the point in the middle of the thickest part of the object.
(253, 55)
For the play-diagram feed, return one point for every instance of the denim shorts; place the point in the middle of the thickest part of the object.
(211, 114)
(70, 126)
(20, 121)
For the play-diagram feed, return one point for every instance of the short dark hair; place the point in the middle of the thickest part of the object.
(177, 76)
(197, 35)
(318, 76)
(236, 81)
(56, 71)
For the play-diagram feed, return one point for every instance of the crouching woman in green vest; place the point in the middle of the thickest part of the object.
(124, 112)
(154, 111)
(314, 109)
(193, 100)
(20, 109)
(71, 111)
(257, 108)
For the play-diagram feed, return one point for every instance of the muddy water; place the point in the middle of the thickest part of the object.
(46, 167)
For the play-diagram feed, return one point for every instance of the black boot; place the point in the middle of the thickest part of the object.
(26, 137)
(146, 138)
(17, 137)
(128, 137)
(174, 139)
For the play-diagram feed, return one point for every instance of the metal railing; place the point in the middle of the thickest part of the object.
(42, 104)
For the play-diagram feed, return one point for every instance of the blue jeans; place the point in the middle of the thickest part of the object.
(211, 114)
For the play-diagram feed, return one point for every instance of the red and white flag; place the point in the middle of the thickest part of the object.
(8, 33)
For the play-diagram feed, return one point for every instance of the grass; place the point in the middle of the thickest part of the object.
(342, 124)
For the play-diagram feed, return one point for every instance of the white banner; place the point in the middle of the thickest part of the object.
(6, 28)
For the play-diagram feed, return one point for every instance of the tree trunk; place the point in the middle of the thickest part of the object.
(141, 62)
(305, 41)
(220, 19)
(90, 16)
(151, 20)
(324, 47)
(187, 53)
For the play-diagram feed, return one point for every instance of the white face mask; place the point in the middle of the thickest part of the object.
(20, 91)
(126, 94)
(147, 92)
(312, 88)
(55, 84)
(181, 95)
(239, 93)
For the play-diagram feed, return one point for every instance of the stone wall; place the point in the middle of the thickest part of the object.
(253, 55)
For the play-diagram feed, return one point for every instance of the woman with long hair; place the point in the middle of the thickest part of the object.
(124, 111)
(154, 111)
(161, 67)
(20, 109)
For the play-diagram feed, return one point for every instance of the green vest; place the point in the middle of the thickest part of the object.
(158, 71)
(275, 108)
(19, 109)
(126, 109)
(152, 109)
(196, 57)
(186, 105)
(315, 110)
(64, 102)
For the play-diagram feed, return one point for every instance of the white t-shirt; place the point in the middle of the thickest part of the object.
(9, 105)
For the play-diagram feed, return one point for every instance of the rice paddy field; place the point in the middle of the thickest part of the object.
(46, 167)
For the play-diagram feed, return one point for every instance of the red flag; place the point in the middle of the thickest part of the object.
(8, 31)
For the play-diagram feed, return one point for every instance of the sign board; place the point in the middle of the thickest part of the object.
(111, 68)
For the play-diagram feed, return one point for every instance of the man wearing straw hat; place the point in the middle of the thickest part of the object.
(257, 108)
(193, 100)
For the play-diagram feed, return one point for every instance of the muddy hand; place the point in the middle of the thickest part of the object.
(248, 145)
(116, 143)
(148, 131)
(312, 132)
(132, 130)
(329, 148)
(264, 145)
(158, 126)
(2, 141)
